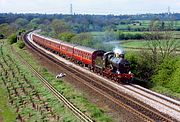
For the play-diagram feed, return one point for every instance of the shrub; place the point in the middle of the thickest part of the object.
(12, 39)
(130, 35)
(133, 59)
(21, 44)
(164, 71)
(168, 74)
(1, 36)
(141, 66)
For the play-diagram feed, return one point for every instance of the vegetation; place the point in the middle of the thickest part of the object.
(66, 36)
(168, 74)
(1, 36)
(159, 63)
(7, 111)
(163, 77)
(21, 44)
(75, 96)
(159, 66)
(29, 102)
(12, 38)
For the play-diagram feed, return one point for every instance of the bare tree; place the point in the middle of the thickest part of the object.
(161, 43)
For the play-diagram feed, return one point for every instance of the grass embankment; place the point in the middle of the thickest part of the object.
(28, 98)
(7, 113)
(67, 90)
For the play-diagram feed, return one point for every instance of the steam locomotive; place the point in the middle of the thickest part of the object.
(112, 65)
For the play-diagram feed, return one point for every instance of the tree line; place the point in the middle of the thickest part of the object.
(87, 23)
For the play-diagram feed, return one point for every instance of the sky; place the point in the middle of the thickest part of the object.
(104, 7)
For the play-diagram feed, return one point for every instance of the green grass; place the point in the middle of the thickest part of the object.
(134, 43)
(166, 91)
(141, 44)
(58, 107)
(6, 111)
(144, 25)
(74, 95)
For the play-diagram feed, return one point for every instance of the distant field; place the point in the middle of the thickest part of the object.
(144, 24)
(141, 43)
(134, 43)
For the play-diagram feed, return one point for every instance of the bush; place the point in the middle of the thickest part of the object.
(133, 59)
(130, 35)
(12, 39)
(168, 74)
(21, 44)
(141, 66)
(1, 36)
(164, 71)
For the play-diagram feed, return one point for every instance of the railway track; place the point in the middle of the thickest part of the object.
(60, 97)
(131, 87)
(135, 106)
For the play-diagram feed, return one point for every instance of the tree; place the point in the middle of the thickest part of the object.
(34, 23)
(12, 28)
(109, 35)
(4, 29)
(60, 26)
(66, 36)
(85, 39)
(21, 23)
(161, 43)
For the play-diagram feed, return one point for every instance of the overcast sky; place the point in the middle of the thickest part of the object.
(89, 6)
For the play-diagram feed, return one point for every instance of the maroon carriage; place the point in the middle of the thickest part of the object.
(66, 49)
(87, 56)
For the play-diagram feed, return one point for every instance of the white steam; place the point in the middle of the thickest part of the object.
(118, 50)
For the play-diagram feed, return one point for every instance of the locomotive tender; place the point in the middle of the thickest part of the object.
(112, 65)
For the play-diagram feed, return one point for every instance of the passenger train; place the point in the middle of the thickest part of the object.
(112, 65)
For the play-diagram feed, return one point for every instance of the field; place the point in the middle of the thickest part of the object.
(140, 25)
(141, 44)
(131, 43)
